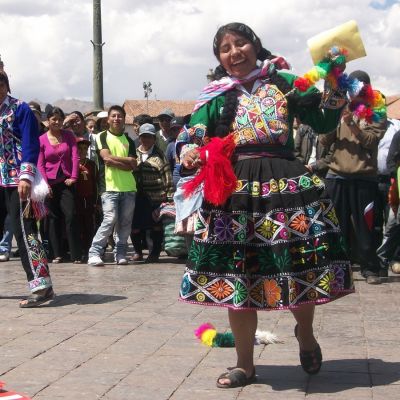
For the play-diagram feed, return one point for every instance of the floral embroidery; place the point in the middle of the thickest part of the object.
(267, 229)
(272, 292)
(220, 289)
(326, 281)
(223, 228)
(300, 223)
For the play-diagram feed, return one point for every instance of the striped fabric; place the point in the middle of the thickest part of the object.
(226, 83)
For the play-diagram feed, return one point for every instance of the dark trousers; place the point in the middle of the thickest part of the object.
(62, 205)
(350, 198)
(33, 257)
(85, 211)
(3, 210)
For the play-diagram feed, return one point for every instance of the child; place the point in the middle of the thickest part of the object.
(86, 196)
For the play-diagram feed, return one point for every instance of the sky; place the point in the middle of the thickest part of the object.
(46, 48)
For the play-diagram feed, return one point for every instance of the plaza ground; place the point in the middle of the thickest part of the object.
(119, 332)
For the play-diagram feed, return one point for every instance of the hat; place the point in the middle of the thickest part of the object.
(147, 128)
(35, 107)
(80, 139)
(167, 113)
(177, 122)
(102, 114)
(361, 76)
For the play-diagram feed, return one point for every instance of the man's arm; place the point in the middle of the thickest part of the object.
(124, 163)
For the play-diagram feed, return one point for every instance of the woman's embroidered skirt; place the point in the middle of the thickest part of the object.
(275, 244)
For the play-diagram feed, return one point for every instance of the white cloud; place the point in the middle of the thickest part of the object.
(48, 55)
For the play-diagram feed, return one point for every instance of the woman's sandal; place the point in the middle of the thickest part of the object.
(237, 378)
(35, 300)
(311, 360)
(57, 260)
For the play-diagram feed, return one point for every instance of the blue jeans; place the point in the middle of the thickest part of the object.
(118, 208)
(5, 244)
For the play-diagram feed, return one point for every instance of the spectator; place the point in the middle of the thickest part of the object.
(154, 181)
(19, 145)
(389, 251)
(90, 124)
(352, 180)
(382, 208)
(309, 150)
(176, 125)
(164, 119)
(101, 123)
(37, 111)
(117, 185)
(59, 164)
(86, 196)
(76, 123)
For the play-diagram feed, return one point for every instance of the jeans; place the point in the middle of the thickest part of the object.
(390, 248)
(5, 244)
(118, 208)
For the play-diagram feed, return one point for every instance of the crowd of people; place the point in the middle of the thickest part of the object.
(269, 219)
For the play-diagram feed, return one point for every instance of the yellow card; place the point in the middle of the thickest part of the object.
(346, 35)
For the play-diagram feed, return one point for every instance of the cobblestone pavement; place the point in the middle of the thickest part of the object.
(119, 332)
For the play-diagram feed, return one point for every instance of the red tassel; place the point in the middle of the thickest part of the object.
(216, 172)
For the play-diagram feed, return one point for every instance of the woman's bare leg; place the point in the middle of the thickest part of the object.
(244, 326)
(304, 316)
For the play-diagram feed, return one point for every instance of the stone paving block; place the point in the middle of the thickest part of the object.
(339, 391)
(386, 392)
(152, 392)
(198, 394)
(103, 339)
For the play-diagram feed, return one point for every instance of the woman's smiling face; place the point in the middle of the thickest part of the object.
(237, 55)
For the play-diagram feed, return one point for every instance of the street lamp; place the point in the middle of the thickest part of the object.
(147, 90)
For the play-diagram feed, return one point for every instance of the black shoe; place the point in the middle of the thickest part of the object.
(383, 273)
(152, 259)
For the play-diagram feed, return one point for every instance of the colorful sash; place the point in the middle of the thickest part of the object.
(226, 83)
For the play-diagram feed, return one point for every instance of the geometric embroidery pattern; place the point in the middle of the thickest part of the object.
(10, 146)
(257, 229)
(261, 117)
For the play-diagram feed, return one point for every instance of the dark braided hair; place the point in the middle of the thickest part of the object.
(231, 100)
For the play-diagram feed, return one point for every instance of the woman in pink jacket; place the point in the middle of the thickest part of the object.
(59, 164)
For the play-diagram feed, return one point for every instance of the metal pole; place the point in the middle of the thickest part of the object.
(98, 100)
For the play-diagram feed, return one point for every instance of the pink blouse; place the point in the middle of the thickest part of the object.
(62, 156)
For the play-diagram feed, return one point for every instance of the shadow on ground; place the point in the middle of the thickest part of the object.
(335, 376)
(82, 298)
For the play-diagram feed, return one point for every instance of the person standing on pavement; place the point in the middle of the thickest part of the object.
(117, 187)
(271, 241)
(352, 180)
(86, 196)
(383, 211)
(19, 151)
(389, 251)
(154, 181)
(59, 164)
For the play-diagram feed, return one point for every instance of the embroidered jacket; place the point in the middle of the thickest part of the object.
(263, 117)
(19, 142)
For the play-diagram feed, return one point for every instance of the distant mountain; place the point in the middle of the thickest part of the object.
(69, 105)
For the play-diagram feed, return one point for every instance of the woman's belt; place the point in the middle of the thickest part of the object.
(262, 150)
